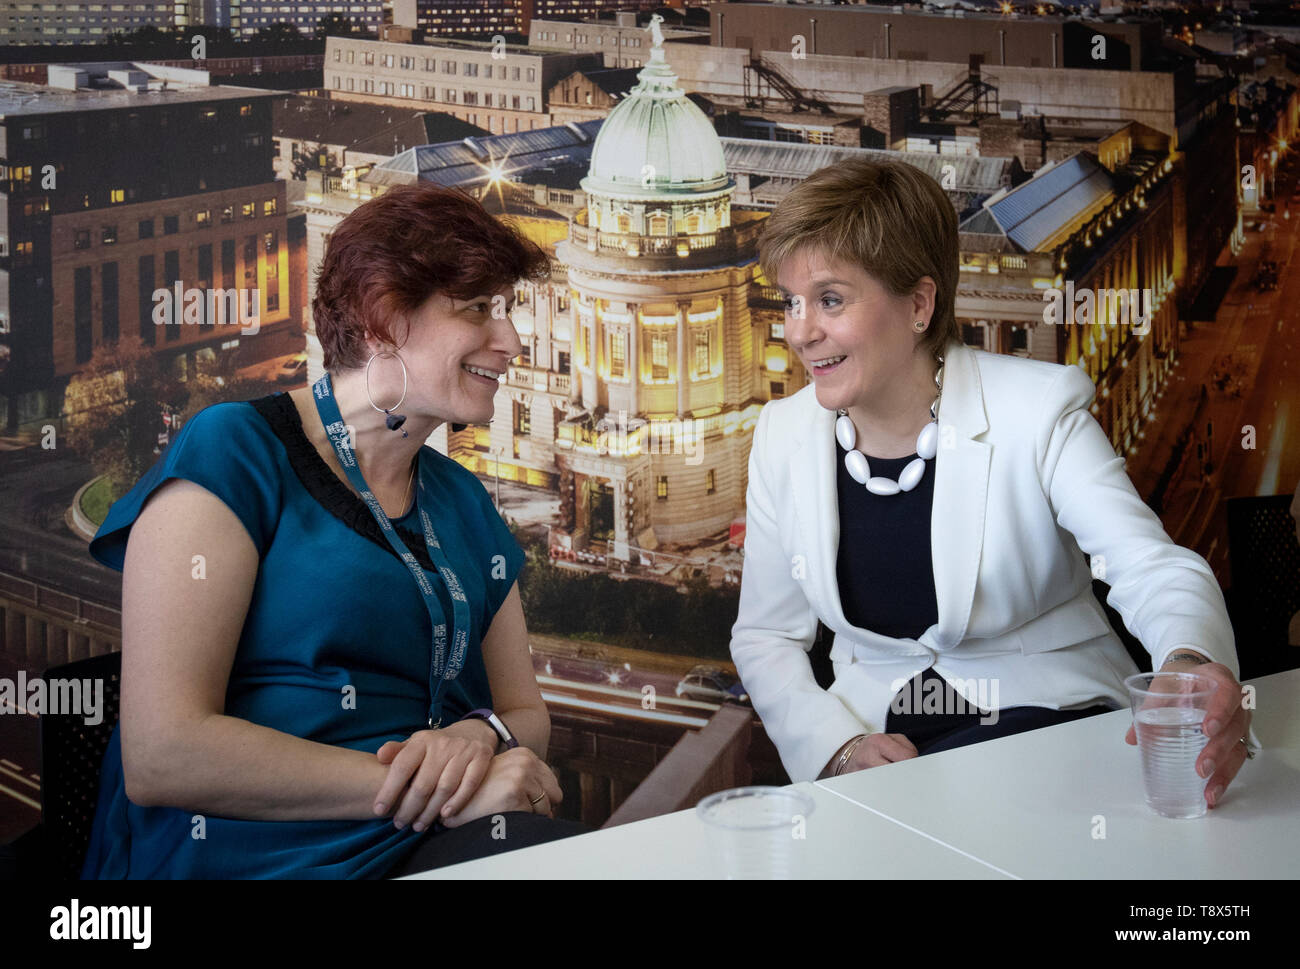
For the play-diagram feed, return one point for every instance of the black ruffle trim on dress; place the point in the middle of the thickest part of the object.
(324, 485)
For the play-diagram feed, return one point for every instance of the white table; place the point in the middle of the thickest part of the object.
(842, 841)
(1026, 806)
(1030, 804)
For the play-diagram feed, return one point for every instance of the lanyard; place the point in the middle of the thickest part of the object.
(443, 668)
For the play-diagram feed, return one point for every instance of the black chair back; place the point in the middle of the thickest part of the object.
(71, 756)
(1265, 560)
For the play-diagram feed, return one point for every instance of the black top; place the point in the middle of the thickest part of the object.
(884, 568)
(324, 485)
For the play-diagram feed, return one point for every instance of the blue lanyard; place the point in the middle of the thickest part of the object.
(443, 669)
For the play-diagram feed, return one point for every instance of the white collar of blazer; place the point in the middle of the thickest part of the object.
(961, 470)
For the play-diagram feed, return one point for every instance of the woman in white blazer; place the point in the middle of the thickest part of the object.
(1025, 488)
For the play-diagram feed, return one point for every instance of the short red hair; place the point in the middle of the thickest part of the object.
(395, 251)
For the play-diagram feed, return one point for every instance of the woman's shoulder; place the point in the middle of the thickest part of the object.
(789, 415)
(226, 448)
(231, 423)
(450, 475)
(1021, 386)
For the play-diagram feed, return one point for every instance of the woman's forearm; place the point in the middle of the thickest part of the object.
(531, 727)
(229, 767)
(232, 768)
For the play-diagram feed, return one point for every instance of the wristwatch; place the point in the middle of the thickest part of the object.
(496, 724)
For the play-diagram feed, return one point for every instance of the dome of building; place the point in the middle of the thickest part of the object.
(656, 125)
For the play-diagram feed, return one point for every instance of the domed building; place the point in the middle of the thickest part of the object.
(663, 398)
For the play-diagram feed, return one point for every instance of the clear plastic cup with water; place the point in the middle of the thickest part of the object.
(757, 832)
(1168, 710)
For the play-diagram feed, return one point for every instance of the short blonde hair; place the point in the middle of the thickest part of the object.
(888, 217)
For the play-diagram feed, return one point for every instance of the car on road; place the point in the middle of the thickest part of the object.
(712, 683)
(589, 664)
(1266, 275)
(292, 370)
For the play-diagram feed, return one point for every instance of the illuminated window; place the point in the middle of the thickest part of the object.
(617, 354)
(269, 207)
(659, 356)
(203, 217)
(701, 353)
(249, 210)
(661, 487)
(117, 195)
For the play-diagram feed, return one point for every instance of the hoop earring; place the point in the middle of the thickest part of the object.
(919, 326)
(393, 421)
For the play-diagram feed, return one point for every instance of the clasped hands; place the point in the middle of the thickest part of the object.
(454, 775)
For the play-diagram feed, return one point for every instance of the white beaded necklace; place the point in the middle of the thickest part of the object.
(927, 446)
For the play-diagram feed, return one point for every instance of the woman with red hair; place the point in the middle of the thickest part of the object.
(325, 667)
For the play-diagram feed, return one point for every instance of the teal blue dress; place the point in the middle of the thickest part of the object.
(333, 608)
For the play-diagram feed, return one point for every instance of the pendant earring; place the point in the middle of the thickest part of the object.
(392, 421)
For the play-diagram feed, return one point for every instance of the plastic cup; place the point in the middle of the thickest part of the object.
(1168, 710)
(756, 832)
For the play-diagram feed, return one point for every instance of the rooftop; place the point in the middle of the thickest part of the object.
(1036, 214)
(449, 43)
(21, 98)
(514, 153)
(360, 126)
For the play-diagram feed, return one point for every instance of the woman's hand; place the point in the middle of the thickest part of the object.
(1227, 721)
(873, 751)
(514, 780)
(436, 769)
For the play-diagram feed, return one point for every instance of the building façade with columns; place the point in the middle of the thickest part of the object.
(650, 350)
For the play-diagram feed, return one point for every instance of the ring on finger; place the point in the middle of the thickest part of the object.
(1250, 754)
(534, 800)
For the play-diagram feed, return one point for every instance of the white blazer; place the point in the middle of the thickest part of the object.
(1026, 482)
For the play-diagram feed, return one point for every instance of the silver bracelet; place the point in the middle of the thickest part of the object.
(848, 752)
(1194, 657)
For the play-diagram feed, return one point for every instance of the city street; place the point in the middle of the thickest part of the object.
(1251, 424)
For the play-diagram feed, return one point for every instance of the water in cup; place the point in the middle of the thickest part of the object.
(1171, 739)
(1168, 711)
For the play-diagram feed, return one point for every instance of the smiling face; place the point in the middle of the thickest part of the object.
(855, 338)
(449, 340)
